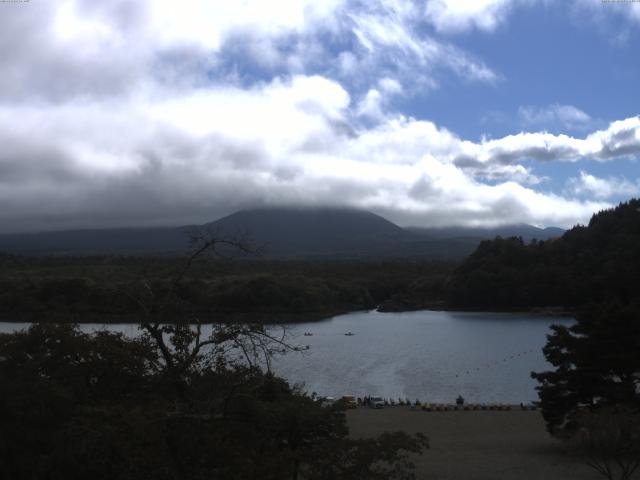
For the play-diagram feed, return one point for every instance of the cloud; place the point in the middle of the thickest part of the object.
(454, 16)
(210, 24)
(130, 114)
(48, 54)
(621, 139)
(613, 19)
(371, 105)
(564, 116)
(374, 105)
(163, 159)
(389, 36)
(102, 50)
(602, 188)
(390, 85)
(461, 16)
(92, 48)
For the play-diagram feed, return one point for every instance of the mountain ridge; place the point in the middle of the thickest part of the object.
(282, 233)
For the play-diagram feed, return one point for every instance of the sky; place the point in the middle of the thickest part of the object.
(431, 112)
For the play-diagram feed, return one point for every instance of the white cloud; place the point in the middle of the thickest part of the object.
(389, 34)
(621, 139)
(101, 49)
(155, 159)
(615, 21)
(456, 16)
(602, 188)
(208, 24)
(125, 120)
(371, 105)
(390, 85)
(600, 9)
(565, 116)
(375, 103)
(452, 16)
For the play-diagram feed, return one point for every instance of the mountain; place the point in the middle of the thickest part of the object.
(527, 232)
(455, 243)
(304, 232)
(276, 232)
(280, 233)
(121, 240)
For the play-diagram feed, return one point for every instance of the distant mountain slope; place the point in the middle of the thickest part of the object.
(527, 232)
(129, 240)
(455, 243)
(315, 231)
(280, 233)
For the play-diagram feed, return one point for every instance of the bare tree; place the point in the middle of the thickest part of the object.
(182, 343)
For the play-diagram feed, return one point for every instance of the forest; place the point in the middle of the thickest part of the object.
(84, 289)
(103, 406)
(596, 262)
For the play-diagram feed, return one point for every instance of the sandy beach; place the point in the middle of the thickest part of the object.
(477, 445)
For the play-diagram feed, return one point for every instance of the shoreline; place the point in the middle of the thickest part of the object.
(279, 318)
(270, 318)
(555, 311)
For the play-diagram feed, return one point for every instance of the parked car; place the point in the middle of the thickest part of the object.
(376, 402)
(349, 401)
(327, 401)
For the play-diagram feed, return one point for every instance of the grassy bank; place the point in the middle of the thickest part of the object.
(483, 445)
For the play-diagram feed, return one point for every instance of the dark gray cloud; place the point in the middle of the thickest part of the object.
(424, 190)
(22, 161)
(39, 64)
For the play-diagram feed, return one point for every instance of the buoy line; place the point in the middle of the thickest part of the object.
(496, 362)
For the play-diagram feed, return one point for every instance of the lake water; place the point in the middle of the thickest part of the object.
(432, 356)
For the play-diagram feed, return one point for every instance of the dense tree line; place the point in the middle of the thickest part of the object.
(79, 299)
(95, 288)
(594, 263)
(102, 406)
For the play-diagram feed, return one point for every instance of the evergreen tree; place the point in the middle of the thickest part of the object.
(597, 364)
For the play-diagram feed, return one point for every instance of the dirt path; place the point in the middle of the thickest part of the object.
(477, 445)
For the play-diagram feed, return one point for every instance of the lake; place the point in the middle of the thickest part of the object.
(429, 355)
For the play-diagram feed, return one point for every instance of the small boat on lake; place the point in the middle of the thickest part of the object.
(349, 334)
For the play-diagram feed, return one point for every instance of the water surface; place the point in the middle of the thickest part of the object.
(432, 356)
